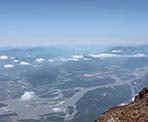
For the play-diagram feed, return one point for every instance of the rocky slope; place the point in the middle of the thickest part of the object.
(136, 111)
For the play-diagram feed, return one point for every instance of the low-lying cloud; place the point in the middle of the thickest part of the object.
(27, 96)
(15, 60)
(6, 66)
(103, 55)
(138, 55)
(3, 57)
(40, 60)
(57, 110)
(24, 63)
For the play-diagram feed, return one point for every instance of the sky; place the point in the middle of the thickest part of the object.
(73, 22)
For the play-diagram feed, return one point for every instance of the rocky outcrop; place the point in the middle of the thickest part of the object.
(136, 111)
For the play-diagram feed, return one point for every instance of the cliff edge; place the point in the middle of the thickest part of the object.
(136, 111)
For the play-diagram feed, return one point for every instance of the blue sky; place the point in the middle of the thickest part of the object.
(70, 22)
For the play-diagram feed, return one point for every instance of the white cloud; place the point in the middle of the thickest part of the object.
(3, 57)
(138, 55)
(40, 60)
(8, 66)
(108, 55)
(103, 55)
(116, 51)
(73, 59)
(51, 60)
(27, 96)
(57, 110)
(24, 63)
(15, 60)
(77, 56)
(91, 75)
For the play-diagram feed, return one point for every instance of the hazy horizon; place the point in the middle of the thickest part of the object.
(72, 23)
